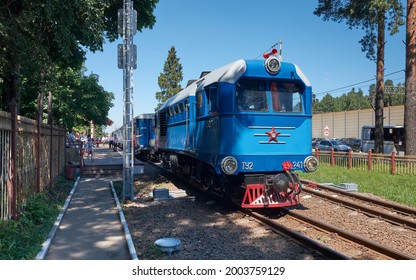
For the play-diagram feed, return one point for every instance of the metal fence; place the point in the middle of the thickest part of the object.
(393, 164)
(32, 158)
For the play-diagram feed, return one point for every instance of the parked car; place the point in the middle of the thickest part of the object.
(315, 141)
(328, 145)
(354, 143)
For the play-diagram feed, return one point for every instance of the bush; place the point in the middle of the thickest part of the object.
(21, 239)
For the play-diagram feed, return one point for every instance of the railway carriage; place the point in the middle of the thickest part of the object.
(241, 131)
(144, 136)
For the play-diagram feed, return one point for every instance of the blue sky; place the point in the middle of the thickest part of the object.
(210, 34)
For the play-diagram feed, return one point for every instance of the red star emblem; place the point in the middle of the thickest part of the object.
(272, 135)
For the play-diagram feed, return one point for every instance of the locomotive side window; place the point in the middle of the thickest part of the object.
(251, 95)
(212, 100)
(201, 99)
(207, 101)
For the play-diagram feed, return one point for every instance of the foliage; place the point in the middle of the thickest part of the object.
(169, 80)
(41, 41)
(365, 15)
(84, 98)
(145, 17)
(22, 238)
(355, 100)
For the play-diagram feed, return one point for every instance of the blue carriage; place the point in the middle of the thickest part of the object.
(144, 136)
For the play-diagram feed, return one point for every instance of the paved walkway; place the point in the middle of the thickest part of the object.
(91, 225)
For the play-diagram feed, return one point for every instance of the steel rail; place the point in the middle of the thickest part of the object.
(386, 216)
(390, 252)
(396, 207)
(309, 242)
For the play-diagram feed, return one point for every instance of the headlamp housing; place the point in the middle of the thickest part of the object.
(229, 165)
(310, 164)
(272, 65)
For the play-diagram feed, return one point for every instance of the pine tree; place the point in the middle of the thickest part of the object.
(373, 16)
(170, 78)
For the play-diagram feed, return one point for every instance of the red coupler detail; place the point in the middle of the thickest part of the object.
(255, 197)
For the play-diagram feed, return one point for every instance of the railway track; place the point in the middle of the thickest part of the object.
(353, 238)
(389, 211)
(338, 234)
(328, 252)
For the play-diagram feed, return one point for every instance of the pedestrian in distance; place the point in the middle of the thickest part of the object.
(115, 143)
(70, 138)
(90, 148)
(110, 141)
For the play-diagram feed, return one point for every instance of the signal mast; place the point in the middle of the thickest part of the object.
(127, 57)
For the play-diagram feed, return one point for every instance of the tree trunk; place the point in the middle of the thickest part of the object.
(410, 103)
(11, 88)
(379, 101)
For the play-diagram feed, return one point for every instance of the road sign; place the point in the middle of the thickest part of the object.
(326, 131)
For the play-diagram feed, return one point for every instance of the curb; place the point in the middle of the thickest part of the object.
(132, 250)
(47, 244)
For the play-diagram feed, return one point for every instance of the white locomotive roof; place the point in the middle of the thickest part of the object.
(229, 73)
(302, 76)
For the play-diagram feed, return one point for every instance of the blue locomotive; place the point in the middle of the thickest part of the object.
(241, 131)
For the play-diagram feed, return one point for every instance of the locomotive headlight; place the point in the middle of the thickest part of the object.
(229, 165)
(310, 164)
(272, 65)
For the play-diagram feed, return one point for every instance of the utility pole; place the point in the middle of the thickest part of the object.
(127, 57)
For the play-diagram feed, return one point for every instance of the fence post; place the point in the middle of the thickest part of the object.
(13, 193)
(393, 163)
(332, 157)
(317, 153)
(370, 161)
(51, 151)
(349, 159)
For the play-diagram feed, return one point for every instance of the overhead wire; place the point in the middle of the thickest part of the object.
(343, 87)
(355, 84)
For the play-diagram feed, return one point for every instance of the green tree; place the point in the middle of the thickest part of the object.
(410, 103)
(79, 99)
(372, 16)
(327, 104)
(353, 100)
(40, 39)
(38, 34)
(394, 94)
(145, 17)
(169, 80)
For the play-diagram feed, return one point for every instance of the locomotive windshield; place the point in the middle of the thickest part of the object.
(252, 95)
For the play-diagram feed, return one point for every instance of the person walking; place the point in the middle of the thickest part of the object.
(90, 148)
(110, 141)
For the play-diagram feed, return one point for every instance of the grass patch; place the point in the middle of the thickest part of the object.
(21, 239)
(398, 188)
